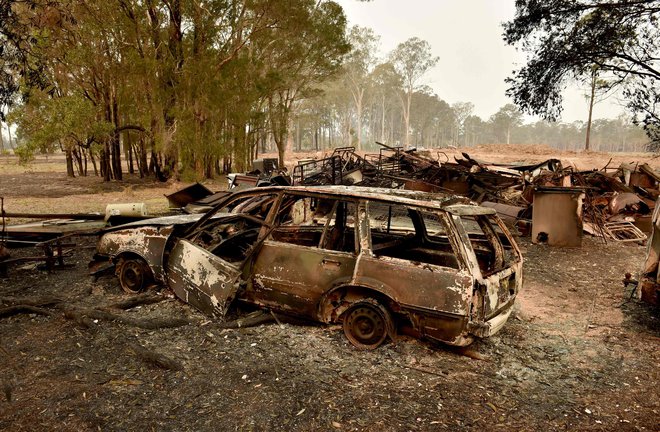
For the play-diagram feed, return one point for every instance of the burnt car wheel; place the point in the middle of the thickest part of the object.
(366, 325)
(134, 275)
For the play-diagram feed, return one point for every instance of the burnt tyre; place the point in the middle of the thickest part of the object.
(367, 325)
(134, 275)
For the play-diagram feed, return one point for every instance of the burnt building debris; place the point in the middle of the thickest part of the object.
(647, 287)
(557, 216)
(264, 172)
(614, 203)
(187, 195)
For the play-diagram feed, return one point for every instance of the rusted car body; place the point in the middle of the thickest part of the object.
(377, 260)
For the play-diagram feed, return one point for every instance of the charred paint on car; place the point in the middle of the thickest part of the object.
(377, 260)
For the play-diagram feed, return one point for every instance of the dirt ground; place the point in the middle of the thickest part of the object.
(576, 355)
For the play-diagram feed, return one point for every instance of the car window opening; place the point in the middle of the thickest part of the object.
(233, 241)
(316, 222)
(410, 234)
(491, 246)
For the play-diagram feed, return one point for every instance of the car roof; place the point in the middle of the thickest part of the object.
(454, 204)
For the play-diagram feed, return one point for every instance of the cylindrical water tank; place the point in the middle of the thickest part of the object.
(128, 209)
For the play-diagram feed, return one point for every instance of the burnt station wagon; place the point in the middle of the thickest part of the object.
(379, 261)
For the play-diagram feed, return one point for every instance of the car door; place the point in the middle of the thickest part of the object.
(312, 248)
(201, 279)
(204, 269)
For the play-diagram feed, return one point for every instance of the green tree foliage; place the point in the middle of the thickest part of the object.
(67, 123)
(566, 39)
(190, 87)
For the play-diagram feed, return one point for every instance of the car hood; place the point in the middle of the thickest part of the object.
(166, 220)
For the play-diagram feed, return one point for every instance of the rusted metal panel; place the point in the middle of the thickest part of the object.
(405, 197)
(649, 278)
(187, 195)
(437, 288)
(147, 242)
(420, 185)
(557, 216)
(646, 169)
(294, 278)
(509, 213)
(202, 279)
(165, 220)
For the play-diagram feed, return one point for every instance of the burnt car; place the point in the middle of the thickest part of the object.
(379, 261)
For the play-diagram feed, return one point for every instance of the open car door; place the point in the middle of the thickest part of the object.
(204, 268)
(202, 279)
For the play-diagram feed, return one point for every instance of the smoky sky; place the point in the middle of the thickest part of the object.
(467, 36)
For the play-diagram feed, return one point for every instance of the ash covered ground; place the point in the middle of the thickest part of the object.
(574, 356)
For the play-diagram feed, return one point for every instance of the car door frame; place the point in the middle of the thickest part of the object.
(204, 280)
(259, 292)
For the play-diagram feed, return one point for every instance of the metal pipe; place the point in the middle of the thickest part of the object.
(78, 216)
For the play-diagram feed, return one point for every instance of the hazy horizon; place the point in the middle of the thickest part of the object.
(467, 36)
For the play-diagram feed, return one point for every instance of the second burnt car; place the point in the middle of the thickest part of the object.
(378, 261)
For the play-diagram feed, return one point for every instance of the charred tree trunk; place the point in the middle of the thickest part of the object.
(128, 144)
(142, 165)
(69, 163)
(106, 168)
(79, 162)
(116, 142)
(93, 159)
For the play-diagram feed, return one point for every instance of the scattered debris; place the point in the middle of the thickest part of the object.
(648, 287)
(557, 216)
(187, 195)
(624, 194)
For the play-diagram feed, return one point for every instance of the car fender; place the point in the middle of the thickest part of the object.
(336, 300)
(147, 242)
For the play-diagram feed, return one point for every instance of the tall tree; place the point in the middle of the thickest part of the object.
(564, 39)
(309, 50)
(386, 82)
(506, 119)
(462, 111)
(358, 65)
(412, 59)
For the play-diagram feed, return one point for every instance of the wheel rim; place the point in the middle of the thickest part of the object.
(132, 276)
(365, 327)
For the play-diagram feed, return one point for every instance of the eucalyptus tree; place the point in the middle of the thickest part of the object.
(386, 86)
(306, 51)
(412, 59)
(462, 111)
(505, 120)
(566, 39)
(358, 64)
(430, 117)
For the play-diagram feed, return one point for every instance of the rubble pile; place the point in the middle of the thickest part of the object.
(616, 204)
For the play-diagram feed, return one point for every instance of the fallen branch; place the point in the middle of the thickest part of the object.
(31, 301)
(23, 309)
(251, 320)
(79, 318)
(138, 300)
(155, 358)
